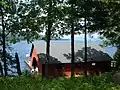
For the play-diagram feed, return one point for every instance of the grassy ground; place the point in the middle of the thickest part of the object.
(103, 82)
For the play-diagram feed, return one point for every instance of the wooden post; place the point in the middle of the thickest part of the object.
(18, 64)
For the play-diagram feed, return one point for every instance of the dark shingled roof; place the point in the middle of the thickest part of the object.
(60, 52)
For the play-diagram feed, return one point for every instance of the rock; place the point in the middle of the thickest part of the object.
(116, 78)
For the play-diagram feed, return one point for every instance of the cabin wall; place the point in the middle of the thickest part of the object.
(52, 70)
(56, 70)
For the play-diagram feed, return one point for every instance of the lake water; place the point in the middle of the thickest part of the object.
(23, 48)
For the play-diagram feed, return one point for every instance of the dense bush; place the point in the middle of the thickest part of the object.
(103, 82)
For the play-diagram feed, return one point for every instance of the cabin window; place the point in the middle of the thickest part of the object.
(113, 63)
(93, 64)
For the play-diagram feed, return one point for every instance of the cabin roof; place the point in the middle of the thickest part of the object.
(60, 52)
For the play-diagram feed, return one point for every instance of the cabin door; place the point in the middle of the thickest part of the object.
(34, 65)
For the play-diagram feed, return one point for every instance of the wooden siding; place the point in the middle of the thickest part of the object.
(64, 69)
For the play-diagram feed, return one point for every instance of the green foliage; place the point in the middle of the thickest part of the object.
(9, 31)
(111, 31)
(10, 61)
(39, 16)
(103, 82)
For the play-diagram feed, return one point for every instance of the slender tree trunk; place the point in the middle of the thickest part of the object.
(72, 44)
(1, 69)
(18, 64)
(85, 44)
(48, 34)
(3, 38)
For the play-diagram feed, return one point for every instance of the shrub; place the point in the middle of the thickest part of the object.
(103, 82)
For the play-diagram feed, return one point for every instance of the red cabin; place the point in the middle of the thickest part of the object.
(98, 61)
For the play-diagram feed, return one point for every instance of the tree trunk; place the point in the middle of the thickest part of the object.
(1, 69)
(3, 38)
(85, 43)
(48, 34)
(18, 64)
(72, 44)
